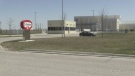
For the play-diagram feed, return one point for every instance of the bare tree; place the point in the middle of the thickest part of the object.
(10, 24)
(103, 17)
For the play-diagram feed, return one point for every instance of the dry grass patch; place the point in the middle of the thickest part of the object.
(111, 43)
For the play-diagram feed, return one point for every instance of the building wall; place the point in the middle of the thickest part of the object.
(111, 24)
(56, 27)
(128, 26)
(85, 22)
(94, 23)
(55, 23)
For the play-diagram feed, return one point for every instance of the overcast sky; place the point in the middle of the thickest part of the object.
(51, 10)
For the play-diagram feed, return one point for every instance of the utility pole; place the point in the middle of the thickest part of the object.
(62, 21)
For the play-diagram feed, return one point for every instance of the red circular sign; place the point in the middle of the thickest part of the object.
(26, 24)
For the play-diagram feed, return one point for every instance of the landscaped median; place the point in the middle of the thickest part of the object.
(111, 43)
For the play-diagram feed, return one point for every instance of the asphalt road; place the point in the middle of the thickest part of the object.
(51, 64)
(42, 64)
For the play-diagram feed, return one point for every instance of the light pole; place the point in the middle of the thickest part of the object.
(35, 21)
(63, 30)
(93, 18)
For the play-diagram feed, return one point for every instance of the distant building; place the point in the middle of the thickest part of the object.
(57, 27)
(111, 22)
(127, 25)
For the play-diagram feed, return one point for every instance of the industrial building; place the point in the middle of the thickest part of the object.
(129, 25)
(61, 26)
(111, 22)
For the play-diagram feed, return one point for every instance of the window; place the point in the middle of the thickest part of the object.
(49, 28)
(60, 28)
(66, 28)
(72, 28)
(55, 28)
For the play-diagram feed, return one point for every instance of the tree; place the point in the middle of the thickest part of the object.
(10, 24)
(103, 18)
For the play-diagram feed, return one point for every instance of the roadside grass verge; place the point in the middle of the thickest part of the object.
(118, 43)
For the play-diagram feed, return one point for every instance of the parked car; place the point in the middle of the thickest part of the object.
(86, 33)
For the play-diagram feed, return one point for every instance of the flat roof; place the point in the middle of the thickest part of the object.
(108, 16)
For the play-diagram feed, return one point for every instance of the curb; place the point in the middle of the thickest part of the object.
(76, 53)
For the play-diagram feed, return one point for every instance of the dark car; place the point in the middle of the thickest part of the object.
(86, 33)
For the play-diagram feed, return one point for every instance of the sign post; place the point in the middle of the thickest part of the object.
(26, 25)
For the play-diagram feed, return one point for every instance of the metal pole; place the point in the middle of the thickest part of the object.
(62, 20)
(35, 21)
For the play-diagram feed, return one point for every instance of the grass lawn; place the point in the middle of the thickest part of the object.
(111, 43)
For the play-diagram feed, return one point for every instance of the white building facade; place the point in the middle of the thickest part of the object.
(61, 26)
(110, 23)
(127, 25)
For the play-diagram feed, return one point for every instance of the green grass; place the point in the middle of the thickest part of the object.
(110, 43)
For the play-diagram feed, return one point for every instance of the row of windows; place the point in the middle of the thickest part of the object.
(61, 28)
